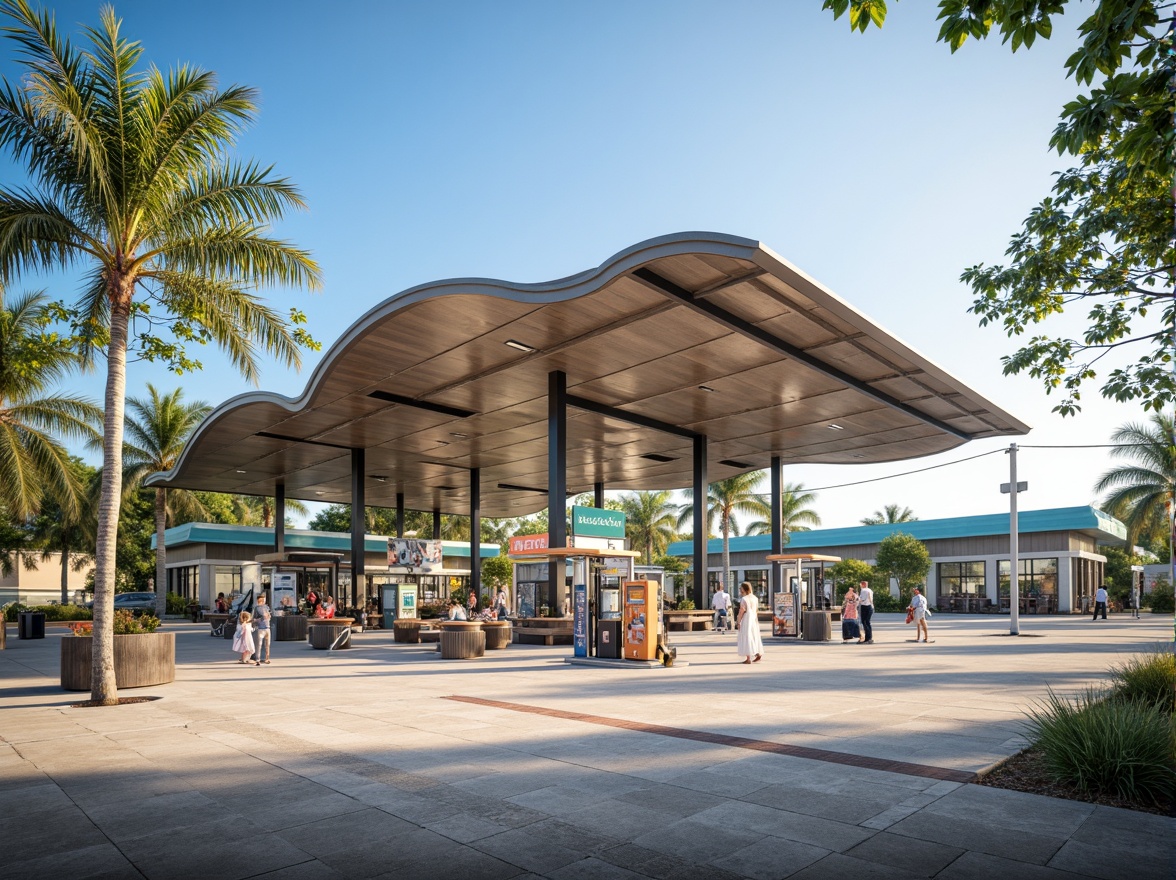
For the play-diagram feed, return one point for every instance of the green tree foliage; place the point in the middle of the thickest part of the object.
(904, 557)
(1142, 490)
(496, 573)
(1117, 574)
(650, 522)
(891, 513)
(131, 179)
(849, 573)
(33, 462)
(1102, 241)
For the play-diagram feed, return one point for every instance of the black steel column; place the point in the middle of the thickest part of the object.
(399, 514)
(280, 518)
(774, 585)
(557, 480)
(436, 524)
(358, 526)
(476, 532)
(700, 531)
(598, 491)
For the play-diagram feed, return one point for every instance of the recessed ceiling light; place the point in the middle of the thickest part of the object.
(705, 388)
(240, 471)
(320, 493)
(836, 428)
(520, 346)
(458, 434)
(858, 455)
(379, 478)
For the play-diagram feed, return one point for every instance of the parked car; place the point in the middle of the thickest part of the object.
(136, 603)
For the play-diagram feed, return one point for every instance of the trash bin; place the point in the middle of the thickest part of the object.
(816, 626)
(30, 625)
(608, 639)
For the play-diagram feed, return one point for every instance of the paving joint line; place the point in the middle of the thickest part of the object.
(905, 768)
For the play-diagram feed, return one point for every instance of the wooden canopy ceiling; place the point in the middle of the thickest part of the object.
(710, 333)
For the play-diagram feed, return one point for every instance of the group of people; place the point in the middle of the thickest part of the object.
(498, 611)
(857, 612)
(316, 606)
(251, 625)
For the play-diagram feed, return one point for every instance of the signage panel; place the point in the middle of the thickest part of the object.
(521, 545)
(598, 522)
(580, 620)
(423, 556)
(283, 585)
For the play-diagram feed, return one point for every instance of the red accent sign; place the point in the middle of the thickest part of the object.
(522, 545)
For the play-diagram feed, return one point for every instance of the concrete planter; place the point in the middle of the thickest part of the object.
(140, 660)
(498, 634)
(288, 627)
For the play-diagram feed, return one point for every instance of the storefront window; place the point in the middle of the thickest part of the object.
(758, 578)
(226, 579)
(184, 581)
(961, 579)
(1038, 580)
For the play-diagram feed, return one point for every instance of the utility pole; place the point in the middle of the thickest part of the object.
(1012, 487)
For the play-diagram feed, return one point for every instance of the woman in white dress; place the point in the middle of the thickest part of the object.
(750, 645)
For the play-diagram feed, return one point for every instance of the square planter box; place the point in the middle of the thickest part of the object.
(140, 660)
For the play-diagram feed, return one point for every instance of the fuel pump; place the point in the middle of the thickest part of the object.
(608, 615)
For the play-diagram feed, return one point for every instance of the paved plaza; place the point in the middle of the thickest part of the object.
(362, 763)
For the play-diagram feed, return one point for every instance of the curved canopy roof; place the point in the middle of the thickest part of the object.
(706, 333)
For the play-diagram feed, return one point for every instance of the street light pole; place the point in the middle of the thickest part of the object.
(1012, 487)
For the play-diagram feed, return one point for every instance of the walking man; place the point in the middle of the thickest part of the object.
(721, 605)
(261, 617)
(866, 607)
(1100, 602)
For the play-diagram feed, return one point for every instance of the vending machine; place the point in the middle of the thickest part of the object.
(642, 619)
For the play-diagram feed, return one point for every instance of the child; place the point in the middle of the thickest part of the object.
(243, 640)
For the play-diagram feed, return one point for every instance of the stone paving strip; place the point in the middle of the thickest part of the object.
(737, 742)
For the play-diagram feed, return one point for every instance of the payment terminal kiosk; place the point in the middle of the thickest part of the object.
(642, 619)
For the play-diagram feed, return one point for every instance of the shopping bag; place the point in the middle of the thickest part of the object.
(910, 615)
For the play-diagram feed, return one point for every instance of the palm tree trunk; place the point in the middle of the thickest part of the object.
(160, 553)
(65, 574)
(103, 688)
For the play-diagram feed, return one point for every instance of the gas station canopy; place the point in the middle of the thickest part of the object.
(695, 334)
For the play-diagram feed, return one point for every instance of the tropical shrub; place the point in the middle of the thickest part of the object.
(1122, 748)
(1149, 678)
(685, 604)
(51, 612)
(1160, 599)
(176, 604)
(126, 623)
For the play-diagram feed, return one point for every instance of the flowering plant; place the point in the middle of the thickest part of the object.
(82, 627)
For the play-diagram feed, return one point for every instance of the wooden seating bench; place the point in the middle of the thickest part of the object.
(688, 621)
(542, 630)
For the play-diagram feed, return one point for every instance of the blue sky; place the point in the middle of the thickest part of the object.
(530, 140)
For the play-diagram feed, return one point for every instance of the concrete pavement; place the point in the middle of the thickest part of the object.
(360, 763)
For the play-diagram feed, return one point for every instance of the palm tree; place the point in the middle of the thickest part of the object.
(795, 513)
(650, 521)
(67, 532)
(724, 499)
(132, 179)
(33, 463)
(1142, 492)
(892, 513)
(157, 432)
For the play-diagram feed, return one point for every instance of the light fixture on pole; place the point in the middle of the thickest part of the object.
(1011, 488)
